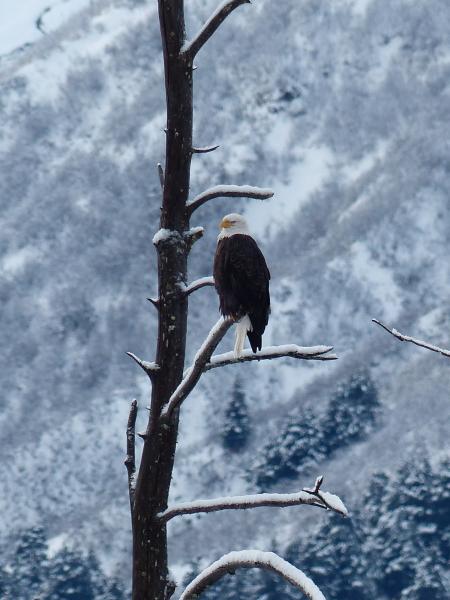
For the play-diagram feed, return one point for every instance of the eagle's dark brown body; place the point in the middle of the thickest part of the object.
(241, 278)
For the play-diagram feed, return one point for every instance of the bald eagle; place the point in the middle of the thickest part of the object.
(241, 278)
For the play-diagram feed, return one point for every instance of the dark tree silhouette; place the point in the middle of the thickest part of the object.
(149, 490)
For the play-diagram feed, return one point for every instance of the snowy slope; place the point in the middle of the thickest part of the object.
(343, 110)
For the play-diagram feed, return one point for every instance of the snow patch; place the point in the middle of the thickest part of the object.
(378, 280)
(56, 544)
(18, 20)
(305, 177)
(15, 261)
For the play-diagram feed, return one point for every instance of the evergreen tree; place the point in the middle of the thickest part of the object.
(305, 440)
(68, 575)
(298, 447)
(28, 566)
(237, 424)
(333, 557)
(409, 530)
(351, 412)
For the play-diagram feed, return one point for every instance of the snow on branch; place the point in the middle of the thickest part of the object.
(149, 367)
(198, 284)
(408, 338)
(130, 461)
(203, 361)
(269, 352)
(310, 497)
(193, 373)
(248, 559)
(191, 48)
(330, 501)
(229, 191)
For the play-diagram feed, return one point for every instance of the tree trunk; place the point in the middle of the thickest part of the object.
(150, 570)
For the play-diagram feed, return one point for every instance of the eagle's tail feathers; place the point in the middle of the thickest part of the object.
(255, 339)
(243, 326)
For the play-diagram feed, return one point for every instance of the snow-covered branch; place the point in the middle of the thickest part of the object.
(215, 20)
(329, 501)
(150, 368)
(193, 374)
(204, 361)
(130, 460)
(248, 559)
(269, 352)
(229, 191)
(311, 497)
(408, 338)
(198, 284)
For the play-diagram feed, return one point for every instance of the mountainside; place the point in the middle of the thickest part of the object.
(343, 109)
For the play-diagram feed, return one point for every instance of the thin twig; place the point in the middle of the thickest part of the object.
(408, 338)
(155, 302)
(251, 559)
(228, 191)
(130, 461)
(270, 352)
(190, 49)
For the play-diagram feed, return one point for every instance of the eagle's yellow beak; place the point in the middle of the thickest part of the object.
(224, 224)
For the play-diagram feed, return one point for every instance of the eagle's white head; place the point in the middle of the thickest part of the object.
(232, 224)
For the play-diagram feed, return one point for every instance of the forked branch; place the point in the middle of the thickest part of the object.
(228, 191)
(248, 559)
(330, 501)
(407, 338)
(190, 49)
(130, 461)
(310, 497)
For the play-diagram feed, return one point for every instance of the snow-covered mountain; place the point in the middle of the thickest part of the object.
(343, 109)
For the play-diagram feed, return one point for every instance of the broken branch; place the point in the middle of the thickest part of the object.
(130, 461)
(161, 175)
(149, 367)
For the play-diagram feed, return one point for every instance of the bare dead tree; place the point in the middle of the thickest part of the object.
(171, 384)
(407, 338)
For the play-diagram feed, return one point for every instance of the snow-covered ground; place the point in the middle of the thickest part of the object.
(25, 21)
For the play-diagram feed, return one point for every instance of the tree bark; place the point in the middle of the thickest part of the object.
(150, 569)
